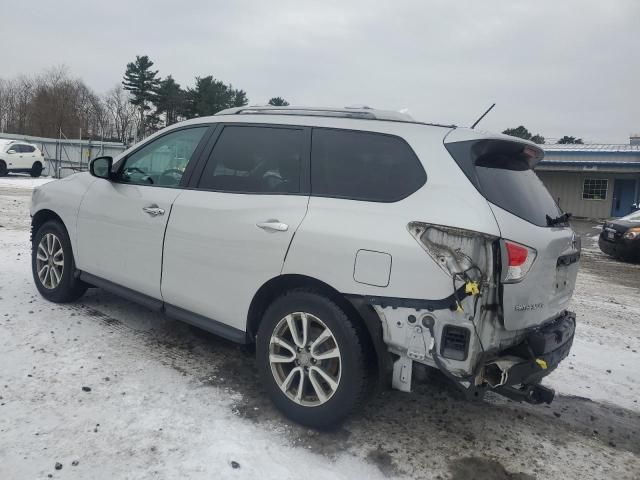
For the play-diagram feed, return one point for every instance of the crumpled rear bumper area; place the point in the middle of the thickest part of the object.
(517, 371)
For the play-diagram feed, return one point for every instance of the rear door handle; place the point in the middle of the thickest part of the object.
(273, 226)
(153, 210)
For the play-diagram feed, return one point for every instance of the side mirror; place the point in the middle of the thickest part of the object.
(11, 151)
(101, 167)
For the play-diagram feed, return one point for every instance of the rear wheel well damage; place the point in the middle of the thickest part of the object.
(356, 308)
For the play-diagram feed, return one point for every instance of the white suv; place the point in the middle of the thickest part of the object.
(346, 244)
(20, 157)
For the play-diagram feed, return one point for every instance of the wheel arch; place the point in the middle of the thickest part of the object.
(354, 307)
(43, 216)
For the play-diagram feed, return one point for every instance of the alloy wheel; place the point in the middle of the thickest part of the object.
(50, 261)
(305, 359)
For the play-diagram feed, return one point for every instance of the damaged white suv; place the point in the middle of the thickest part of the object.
(347, 244)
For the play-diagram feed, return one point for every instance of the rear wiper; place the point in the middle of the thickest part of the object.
(562, 219)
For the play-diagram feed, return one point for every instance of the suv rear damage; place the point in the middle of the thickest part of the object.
(505, 326)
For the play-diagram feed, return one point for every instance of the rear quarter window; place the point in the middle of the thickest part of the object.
(363, 166)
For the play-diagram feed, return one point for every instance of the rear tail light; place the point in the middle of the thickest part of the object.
(456, 250)
(517, 261)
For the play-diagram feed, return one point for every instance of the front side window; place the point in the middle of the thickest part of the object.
(363, 166)
(162, 162)
(595, 189)
(248, 159)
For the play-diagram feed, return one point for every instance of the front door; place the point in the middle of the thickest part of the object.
(121, 223)
(229, 233)
(623, 197)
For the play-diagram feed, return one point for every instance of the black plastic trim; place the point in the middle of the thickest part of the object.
(132, 295)
(200, 321)
(443, 343)
(415, 303)
(206, 323)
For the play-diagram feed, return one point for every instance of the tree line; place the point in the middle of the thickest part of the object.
(54, 104)
(522, 132)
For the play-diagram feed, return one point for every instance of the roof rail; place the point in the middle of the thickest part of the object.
(347, 112)
(359, 112)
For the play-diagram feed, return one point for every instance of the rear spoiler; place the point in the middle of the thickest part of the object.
(481, 145)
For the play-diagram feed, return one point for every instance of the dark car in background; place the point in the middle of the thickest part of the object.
(621, 238)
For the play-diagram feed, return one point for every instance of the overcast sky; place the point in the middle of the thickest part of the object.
(557, 67)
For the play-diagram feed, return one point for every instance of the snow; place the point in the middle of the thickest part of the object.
(169, 402)
(144, 406)
(23, 181)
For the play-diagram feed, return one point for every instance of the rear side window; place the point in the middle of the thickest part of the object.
(502, 172)
(248, 159)
(363, 166)
(27, 149)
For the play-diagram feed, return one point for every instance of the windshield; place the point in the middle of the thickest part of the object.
(632, 217)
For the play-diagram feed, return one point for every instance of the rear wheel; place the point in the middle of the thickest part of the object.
(311, 357)
(53, 266)
(36, 169)
(3, 168)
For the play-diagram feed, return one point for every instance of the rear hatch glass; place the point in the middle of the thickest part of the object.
(502, 172)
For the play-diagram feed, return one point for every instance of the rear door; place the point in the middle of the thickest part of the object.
(229, 232)
(527, 215)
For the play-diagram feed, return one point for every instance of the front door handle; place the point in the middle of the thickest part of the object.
(153, 210)
(273, 226)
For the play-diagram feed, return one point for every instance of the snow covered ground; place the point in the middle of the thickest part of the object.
(167, 401)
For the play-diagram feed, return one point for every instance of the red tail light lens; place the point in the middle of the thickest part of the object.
(518, 262)
(517, 254)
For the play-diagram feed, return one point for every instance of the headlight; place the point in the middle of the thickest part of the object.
(632, 233)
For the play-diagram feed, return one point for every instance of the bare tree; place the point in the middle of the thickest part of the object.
(122, 114)
(51, 103)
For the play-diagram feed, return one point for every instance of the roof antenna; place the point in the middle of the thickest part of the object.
(483, 115)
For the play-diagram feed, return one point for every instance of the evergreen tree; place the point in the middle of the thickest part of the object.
(142, 83)
(170, 100)
(278, 102)
(209, 96)
(522, 132)
(567, 139)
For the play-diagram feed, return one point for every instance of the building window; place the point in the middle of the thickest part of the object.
(595, 189)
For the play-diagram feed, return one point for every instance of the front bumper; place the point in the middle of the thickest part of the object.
(621, 248)
(517, 371)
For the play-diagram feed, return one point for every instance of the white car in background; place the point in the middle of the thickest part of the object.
(20, 157)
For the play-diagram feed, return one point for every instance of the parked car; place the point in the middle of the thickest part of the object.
(20, 157)
(347, 244)
(621, 238)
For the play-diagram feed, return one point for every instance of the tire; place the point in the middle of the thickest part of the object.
(36, 169)
(3, 168)
(348, 371)
(57, 281)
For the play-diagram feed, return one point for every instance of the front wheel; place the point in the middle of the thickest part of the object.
(3, 168)
(53, 266)
(312, 358)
